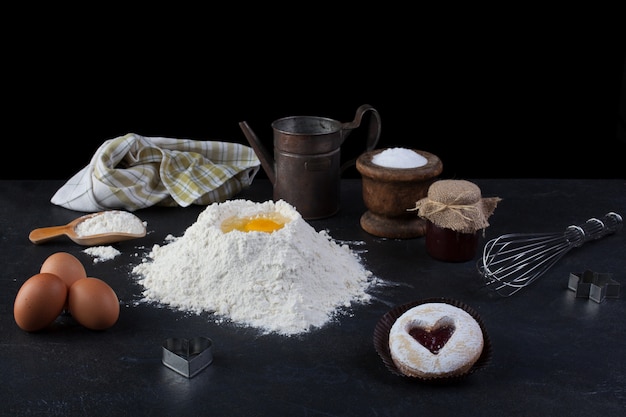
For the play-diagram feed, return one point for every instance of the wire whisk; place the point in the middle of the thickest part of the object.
(513, 261)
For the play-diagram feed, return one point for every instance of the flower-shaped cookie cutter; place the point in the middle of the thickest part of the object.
(187, 356)
(594, 285)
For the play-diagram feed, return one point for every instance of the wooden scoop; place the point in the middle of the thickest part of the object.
(44, 234)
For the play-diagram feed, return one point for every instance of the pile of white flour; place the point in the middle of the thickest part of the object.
(110, 221)
(102, 253)
(289, 281)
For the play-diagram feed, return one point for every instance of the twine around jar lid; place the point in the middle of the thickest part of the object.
(456, 205)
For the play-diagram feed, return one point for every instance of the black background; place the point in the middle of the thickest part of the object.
(526, 97)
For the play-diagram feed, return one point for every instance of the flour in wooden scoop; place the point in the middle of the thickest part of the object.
(256, 264)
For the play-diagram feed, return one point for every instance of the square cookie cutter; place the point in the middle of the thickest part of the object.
(187, 356)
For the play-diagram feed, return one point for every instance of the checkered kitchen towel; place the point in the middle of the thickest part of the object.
(132, 172)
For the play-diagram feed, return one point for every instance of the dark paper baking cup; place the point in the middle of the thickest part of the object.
(383, 327)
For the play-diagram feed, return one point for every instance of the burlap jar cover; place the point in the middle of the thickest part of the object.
(456, 205)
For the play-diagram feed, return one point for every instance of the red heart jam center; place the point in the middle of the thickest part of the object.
(436, 337)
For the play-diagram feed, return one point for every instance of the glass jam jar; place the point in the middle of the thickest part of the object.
(449, 245)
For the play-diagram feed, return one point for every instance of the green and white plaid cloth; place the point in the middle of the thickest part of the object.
(132, 172)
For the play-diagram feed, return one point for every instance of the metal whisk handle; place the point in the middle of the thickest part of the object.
(593, 229)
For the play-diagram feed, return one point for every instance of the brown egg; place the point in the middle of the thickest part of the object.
(93, 303)
(66, 266)
(39, 301)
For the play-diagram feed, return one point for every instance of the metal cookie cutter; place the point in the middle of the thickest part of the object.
(594, 285)
(187, 357)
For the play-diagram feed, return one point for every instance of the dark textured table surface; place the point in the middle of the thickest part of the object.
(552, 353)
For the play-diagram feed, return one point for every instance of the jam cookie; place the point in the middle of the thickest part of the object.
(435, 340)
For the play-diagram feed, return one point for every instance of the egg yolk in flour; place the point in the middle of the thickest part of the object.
(267, 223)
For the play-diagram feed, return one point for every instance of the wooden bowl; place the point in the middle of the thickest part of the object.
(390, 193)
